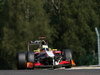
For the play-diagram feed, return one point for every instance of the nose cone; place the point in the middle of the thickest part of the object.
(50, 53)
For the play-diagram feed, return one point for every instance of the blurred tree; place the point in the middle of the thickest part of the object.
(73, 22)
(66, 24)
(23, 21)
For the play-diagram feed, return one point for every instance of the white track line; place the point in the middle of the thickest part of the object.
(77, 68)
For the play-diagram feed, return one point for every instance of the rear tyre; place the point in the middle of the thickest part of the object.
(67, 56)
(21, 60)
(30, 57)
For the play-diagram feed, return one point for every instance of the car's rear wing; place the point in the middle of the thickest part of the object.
(37, 42)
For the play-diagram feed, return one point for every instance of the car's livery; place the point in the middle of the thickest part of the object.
(43, 57)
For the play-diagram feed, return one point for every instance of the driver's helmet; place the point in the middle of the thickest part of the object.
(45, 47)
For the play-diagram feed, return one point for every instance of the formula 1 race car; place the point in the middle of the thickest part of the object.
(43, 57)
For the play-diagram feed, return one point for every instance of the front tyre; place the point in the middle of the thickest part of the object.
(21, 60)
(67, 56)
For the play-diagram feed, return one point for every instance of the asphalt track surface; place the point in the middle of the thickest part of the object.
(51, 72)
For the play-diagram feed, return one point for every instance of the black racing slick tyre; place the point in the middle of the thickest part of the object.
(30, 57)
(21, 60)
(67, 56)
